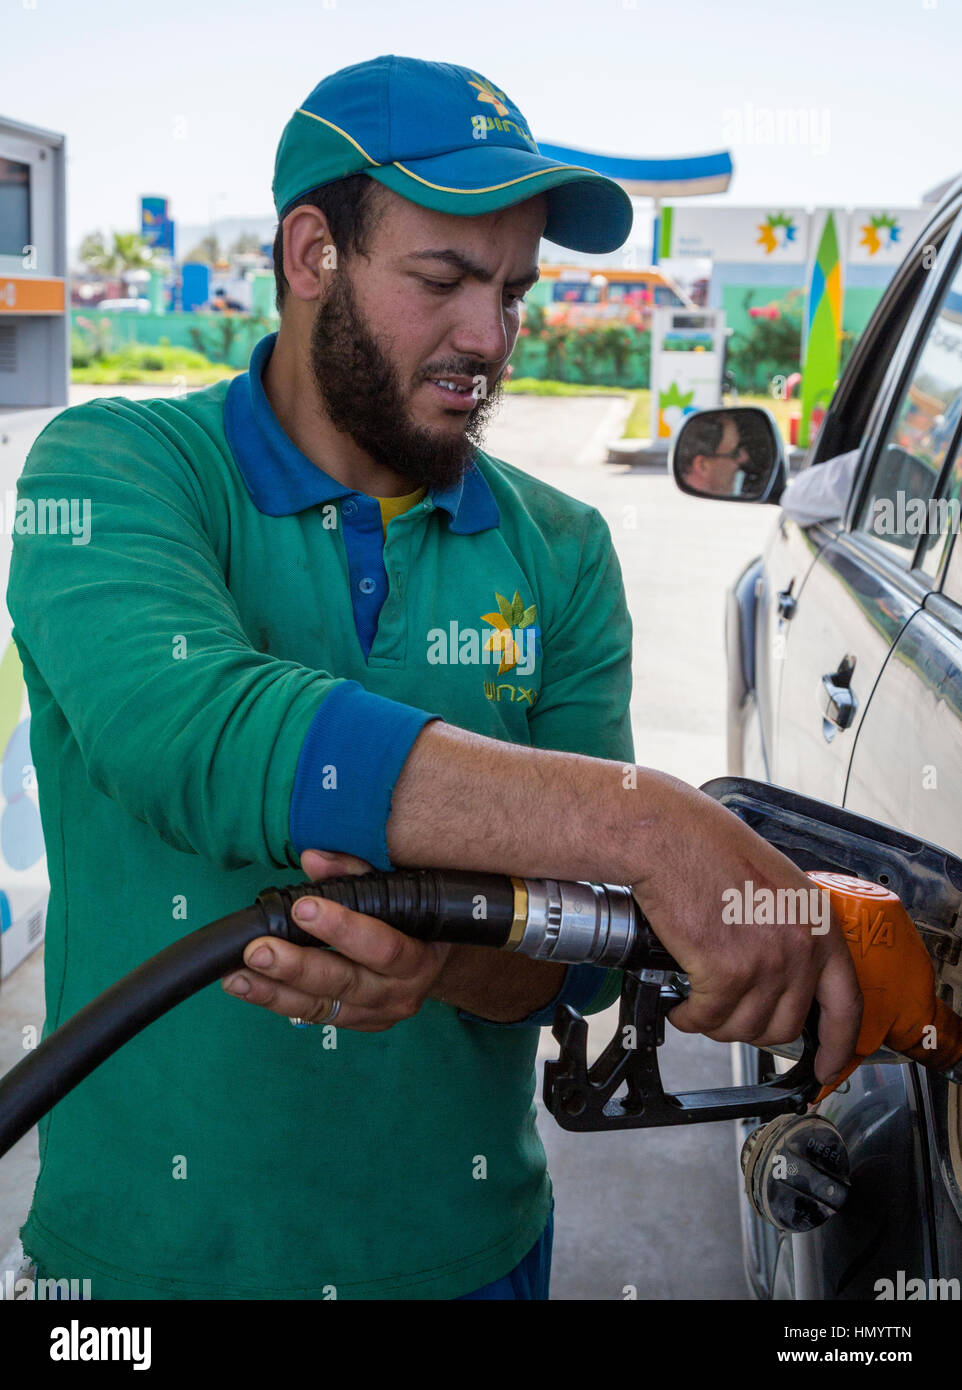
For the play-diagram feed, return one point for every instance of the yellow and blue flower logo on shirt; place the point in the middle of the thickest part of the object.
(510, 616)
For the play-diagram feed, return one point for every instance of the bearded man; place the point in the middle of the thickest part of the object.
(237, 681)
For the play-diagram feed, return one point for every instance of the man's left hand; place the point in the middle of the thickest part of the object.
(380, 976)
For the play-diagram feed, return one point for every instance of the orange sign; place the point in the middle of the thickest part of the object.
(22, 294)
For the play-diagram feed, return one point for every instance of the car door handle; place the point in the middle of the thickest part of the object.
(835, 697)
(787, 602)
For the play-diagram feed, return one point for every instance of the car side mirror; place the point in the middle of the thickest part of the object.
(731, 455)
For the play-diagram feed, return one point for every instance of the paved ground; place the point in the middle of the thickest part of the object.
(654, 1210)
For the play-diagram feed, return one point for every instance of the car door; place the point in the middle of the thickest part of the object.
(906, 768)
(907, 771)
(843, 591)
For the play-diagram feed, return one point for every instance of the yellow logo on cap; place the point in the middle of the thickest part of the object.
(487, 92)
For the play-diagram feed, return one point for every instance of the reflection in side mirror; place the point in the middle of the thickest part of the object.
(732, 455)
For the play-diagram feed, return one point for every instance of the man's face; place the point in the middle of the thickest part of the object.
(437, 297)
(715, 473)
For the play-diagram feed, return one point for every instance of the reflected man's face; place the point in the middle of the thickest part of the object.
(715, 473)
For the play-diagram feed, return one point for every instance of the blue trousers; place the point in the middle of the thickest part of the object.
(530, 1278)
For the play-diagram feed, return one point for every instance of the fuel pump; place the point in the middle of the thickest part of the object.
(899, 901)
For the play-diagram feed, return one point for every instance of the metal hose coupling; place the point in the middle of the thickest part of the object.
(568, 923)
(577, 923)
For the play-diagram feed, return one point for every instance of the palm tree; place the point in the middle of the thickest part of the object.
(128, 252)
(206, 252)
(245, 244)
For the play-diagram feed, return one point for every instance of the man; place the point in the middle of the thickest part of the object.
(275, 646)
(712, 457)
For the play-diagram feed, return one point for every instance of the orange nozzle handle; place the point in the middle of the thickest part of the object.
(901, 1009)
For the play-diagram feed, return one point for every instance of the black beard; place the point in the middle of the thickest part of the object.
(362, 394)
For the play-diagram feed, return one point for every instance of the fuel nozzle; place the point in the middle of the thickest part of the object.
(601, 924)
(569, 923)
(901, 1010)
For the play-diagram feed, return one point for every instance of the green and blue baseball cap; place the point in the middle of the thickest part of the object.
(446, 138)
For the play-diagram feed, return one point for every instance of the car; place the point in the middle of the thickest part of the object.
(125, 306)
(844, 651)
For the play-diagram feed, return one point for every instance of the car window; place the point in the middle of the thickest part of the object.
(579, 292)
(896, 510)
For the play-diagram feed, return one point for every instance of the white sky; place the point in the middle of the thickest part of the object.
(878, 81)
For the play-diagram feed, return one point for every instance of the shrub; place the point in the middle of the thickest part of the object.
(81, 350)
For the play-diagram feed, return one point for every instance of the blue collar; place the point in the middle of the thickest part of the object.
(281, 480)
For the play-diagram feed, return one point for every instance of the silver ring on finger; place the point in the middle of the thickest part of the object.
(329, 1017)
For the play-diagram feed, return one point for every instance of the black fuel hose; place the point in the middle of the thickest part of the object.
(464, 908)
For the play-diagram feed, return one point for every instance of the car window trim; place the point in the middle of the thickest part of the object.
(903, 361)
(938, 586)
(945, 472)
(914, 584)
(944, 610)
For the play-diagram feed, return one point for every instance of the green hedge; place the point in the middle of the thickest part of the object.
(603, 354)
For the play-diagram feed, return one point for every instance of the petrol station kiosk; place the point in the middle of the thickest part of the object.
(34, 382)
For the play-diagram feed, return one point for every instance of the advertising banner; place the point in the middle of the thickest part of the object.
(156, 227)
(766, 235)
(822, 325)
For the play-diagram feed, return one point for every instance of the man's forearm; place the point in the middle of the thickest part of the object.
(464, 801)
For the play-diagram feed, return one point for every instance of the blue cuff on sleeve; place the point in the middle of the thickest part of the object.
(580, 985)
(351, 758)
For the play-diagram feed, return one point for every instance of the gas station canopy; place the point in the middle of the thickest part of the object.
(680, 176)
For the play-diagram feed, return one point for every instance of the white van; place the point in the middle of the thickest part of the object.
(131, 306)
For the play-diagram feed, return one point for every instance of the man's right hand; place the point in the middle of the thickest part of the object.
(750, 982)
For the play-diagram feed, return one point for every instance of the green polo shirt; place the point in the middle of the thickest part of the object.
(229, 667)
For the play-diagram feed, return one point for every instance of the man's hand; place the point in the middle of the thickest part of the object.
(749, 982)
(561, 815)
(380, 975)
